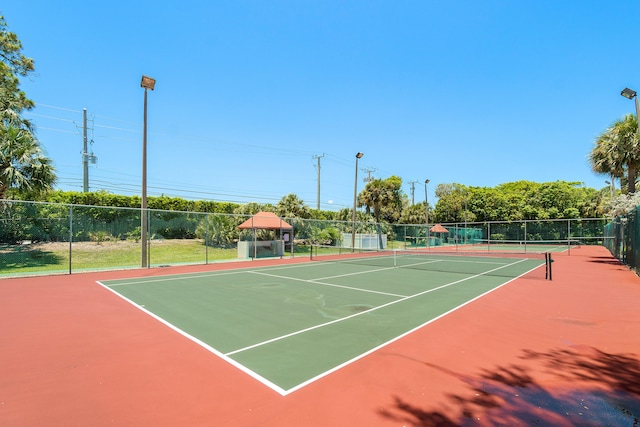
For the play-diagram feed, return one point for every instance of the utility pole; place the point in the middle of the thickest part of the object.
(85, 154)
(369, 178)
(318, 198)
(413, 190)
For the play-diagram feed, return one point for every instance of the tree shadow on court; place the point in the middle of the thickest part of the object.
(582, 387)
(606, 260)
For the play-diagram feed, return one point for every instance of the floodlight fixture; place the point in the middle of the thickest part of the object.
(628, 93)
(148, 82)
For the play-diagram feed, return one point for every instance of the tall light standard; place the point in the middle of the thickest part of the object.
(426, 203)
(466, 214)
(631, 94)
(355, 196)
(147, 83)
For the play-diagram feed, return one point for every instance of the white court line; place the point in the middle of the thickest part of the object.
(318, 282)
(274, 386)
(186, 276)
(189, 276)
(394, 339)
(240, 350)
(203, 344)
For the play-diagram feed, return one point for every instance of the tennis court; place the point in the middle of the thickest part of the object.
(290, 325)
(533, 352)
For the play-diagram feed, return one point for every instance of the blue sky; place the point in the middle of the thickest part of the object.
(248, 92)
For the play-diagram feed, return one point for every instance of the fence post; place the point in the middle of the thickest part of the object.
(569, 235)
(206, 239)
(70, 236)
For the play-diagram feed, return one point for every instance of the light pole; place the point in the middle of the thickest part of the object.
(426, 205)
(466, 213)
(631, 94)
(147, 83)
(355, 196)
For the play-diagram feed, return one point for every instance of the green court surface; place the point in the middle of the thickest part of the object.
(289, 325)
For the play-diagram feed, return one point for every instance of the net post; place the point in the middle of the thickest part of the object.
(548, 263)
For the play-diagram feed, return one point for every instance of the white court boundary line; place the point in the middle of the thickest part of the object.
(189, 276)
(283, 392)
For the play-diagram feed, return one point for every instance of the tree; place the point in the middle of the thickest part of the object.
(414, 214)
(23, 163)
(454, 203)
(384, 197)
(617, 150)
(291, 206)
(253, 208)
(516, 201)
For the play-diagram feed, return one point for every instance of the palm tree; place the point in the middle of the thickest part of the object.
(291, 206)
(383, 196)
(23, 164)
(617, 150)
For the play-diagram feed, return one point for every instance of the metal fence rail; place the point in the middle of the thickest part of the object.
(49, 238)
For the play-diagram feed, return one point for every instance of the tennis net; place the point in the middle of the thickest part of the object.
(525, 245)
(494, 263)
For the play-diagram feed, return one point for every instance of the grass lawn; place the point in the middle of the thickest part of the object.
(54, 257)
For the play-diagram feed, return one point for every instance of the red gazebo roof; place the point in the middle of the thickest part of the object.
(438, 228)
(265, 221)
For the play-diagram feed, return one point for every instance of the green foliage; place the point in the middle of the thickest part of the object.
(218, 230)
(383, 197)
(291, 206)
(13, 65)
(104, 198)
(253, 208)
(414, 214)
(322, 215)
(34, 223)
(100, 236)
(324, 236)
(24, 167)
(617, 150)
(520, 200)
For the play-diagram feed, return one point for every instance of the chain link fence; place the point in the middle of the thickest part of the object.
(49, 238)
(622, 238)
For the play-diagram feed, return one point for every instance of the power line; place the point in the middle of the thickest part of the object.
(162, 138)
(38, 104)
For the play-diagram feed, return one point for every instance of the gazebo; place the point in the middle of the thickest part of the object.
(265, 248)
(439, 229)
